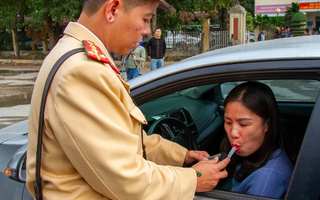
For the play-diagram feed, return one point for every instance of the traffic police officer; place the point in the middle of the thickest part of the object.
(92, 139)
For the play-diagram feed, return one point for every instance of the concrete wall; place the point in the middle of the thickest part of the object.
(23, 53)
(171, 55)
(238, 12)
(311, 16)
(38, 55)
(182, 53)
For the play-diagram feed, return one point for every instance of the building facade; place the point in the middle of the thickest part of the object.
(310, 7)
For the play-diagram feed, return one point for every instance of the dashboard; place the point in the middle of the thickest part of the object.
(202, 117)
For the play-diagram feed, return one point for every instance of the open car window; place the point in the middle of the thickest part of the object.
(285, 90)
(294, 90)
(200, 109)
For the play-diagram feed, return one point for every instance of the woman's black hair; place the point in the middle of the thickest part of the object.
(258, 98)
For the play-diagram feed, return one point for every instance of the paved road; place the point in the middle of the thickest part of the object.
(16, 85)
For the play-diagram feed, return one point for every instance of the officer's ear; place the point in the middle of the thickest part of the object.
(112, 9)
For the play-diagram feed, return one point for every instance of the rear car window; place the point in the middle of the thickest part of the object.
(294, 90)
(286, 90)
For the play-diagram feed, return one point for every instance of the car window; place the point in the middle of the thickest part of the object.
(294, 90)
(200, 109)
(286, 90)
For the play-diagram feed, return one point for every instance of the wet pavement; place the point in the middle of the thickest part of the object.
(16, 87)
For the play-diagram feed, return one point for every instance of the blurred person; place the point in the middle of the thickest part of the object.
(315, 31)
(262, 35)
(306, 31)
(287, 32)
(264, 163)
(277, 33)
(282, 34)
(93, 143)
(136, 56)
(156, 49)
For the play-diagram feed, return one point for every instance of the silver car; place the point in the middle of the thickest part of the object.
(179, 41)
(184, 103)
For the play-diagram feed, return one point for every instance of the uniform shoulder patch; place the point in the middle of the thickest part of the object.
(95, 53)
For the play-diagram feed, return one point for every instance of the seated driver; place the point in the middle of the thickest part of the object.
(263, 164)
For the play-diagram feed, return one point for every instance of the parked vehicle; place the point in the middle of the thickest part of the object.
(39, 46)
(187, 97)
(250, 37)
(181, 41)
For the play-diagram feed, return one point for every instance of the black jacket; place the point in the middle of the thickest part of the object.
(259, 36)
(156, 48)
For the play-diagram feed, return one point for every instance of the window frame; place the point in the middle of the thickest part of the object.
(303, 69)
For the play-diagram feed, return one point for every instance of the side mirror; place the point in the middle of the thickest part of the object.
(16, 168)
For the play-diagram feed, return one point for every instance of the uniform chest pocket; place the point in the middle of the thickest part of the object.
(136, 113)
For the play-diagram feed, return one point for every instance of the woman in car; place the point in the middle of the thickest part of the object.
(263, 164)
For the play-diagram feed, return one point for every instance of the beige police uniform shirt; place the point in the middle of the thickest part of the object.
(92, 135)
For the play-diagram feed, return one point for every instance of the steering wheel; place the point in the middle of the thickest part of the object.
(172, 129)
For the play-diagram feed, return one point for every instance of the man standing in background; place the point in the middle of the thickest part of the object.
(277, 33)
(156, 49)
(287, 32)
(262, 35)
(315, 31)
(137, 55)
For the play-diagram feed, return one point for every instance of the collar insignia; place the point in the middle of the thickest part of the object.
(95, 53)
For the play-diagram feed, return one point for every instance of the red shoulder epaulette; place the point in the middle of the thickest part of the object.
(95, 53)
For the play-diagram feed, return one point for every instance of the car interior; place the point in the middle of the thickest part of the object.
(193, 117)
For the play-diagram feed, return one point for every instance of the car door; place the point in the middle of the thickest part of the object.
(304, 184)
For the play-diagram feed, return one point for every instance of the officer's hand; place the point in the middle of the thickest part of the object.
(134, 57)
(211, 173)
(193, 156)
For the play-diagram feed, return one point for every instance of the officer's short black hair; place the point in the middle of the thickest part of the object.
(92, 6)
